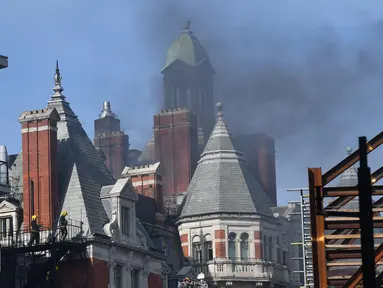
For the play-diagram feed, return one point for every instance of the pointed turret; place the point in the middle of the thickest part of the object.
(222, 183)
(82, 171)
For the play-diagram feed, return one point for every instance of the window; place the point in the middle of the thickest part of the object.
(270, 246)
(197, 249)
(279, 255)
(6, 227)
(208, 253)
(135, 278)
(244, 246)
(125, 219)
(284, 258)
(197, 252)
(209, 250)
(118, 276)
(265, 248)
(232, 247)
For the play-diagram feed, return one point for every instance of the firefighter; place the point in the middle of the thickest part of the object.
(63, 225)
(35, 231)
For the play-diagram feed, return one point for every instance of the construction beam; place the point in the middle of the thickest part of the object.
(343, 199)
(365, 215)
(369, 259)
(350, 223)
(358, 275)
(351, 160)
(347, 192)
(317, 228)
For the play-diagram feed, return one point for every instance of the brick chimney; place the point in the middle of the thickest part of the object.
(147, 181)
(39, 150)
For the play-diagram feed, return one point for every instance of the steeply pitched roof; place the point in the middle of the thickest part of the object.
(81, 171)
(147, 156)
(222, 182)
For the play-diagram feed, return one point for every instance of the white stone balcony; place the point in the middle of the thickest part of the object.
(245, 270)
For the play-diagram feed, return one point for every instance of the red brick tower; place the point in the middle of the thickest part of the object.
(113, 142)
(39, 148)
(147, 181)
(259, 150)
(176, 148)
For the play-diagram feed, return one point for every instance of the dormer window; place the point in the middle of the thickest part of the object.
(125, 220)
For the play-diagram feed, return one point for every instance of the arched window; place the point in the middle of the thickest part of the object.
(197, 251)
(244, 246)
(232, 246)
(208, 247)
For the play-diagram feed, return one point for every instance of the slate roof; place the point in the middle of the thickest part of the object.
(222, 182)
(81, 171)
(187, 49)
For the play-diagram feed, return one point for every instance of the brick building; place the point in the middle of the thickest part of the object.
(61, 170)
(113, 143)
(259, 151)
(176, 148)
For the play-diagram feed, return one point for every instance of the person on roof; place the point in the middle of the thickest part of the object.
(35, 231)
(63, 225)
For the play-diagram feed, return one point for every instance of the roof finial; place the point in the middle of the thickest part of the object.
(106, 111)
(58, 89)
(348, 150)
(187, 25)
(220, 113)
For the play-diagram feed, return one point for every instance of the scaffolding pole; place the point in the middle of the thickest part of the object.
(306, 237)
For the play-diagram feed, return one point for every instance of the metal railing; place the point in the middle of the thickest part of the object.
(46, 235)
(245, 268)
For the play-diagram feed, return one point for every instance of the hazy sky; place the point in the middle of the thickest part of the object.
(310, 74)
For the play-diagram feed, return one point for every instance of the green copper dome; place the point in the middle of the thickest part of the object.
(186, 48)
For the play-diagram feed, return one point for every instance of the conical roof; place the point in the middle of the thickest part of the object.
(222, 182)
(81, 171)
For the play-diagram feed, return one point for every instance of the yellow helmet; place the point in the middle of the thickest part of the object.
(34, 217)
(64, 213)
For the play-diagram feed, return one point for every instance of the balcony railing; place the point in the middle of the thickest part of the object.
(46, 235)
(249, 268)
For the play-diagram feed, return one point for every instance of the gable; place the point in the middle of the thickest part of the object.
(6, 206)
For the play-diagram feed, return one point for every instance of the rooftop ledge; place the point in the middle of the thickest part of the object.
(3, 61)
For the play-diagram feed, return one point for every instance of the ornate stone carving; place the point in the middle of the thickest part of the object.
(110, 228)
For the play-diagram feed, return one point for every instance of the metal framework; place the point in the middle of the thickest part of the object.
(27, 264)
(305, 245)
(334, 230)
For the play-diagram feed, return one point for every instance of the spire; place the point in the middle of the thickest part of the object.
(350, 176)
(106, 111)
(187, 26)
(58, 89)
(219, 138)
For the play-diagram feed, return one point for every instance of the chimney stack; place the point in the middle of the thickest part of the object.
(39, 151)
(4, 165)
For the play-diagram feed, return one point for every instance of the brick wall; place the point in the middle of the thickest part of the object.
(154, 281)
(39, 148)
(185, 244)
(84, 273)
(112, 144)
(149, 184)
(176, 148)
(220, 244)
(258, 244)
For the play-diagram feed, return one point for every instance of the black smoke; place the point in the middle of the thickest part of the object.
(306, 83)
